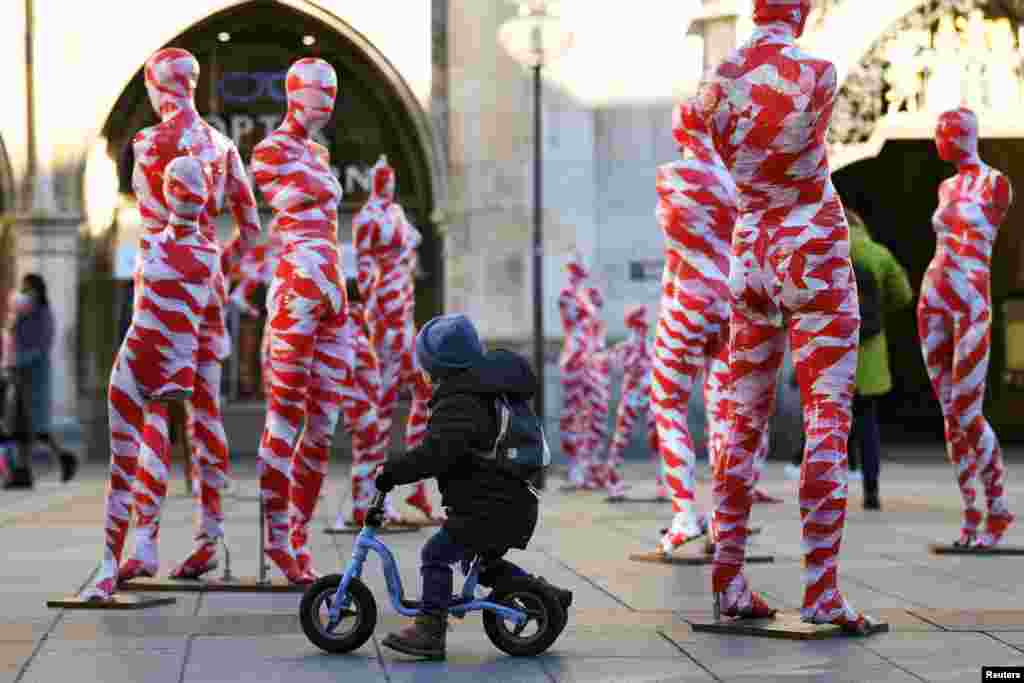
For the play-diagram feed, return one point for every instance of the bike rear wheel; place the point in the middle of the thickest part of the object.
(358, 621)
(545, 621)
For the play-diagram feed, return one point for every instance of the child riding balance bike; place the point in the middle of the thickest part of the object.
(482, 443)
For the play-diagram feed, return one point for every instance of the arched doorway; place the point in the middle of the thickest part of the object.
(886, 167)
(244, 52)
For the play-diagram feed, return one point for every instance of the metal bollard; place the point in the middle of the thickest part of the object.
(263, 557)
(227, 561)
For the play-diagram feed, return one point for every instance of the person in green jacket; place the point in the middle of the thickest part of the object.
(892, 293)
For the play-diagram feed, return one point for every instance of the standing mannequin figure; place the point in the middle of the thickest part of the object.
(768, 108)
(598, 384)
(157, 360)
(386, 245)
(572, 364)
(954, 318)
(360, 406)
(171, 76)
(310, 359)
(635, 358)
(696, 212)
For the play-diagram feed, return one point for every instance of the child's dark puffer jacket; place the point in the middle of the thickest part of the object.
(488, 510)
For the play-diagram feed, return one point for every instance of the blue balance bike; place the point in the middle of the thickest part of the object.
(338, 612)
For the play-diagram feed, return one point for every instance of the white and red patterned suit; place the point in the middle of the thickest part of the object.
(597, 374)
(635, 357)
(954, 317)
(696, 212)
(361, 398)
(157, 361)
(573, 424)
(362, 388)
(171, 76)
(386, 245)
(768, 108)
(311, 360)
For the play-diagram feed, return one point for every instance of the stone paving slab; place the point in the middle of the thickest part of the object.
(973, 620)
(281, 658)
(945, 656)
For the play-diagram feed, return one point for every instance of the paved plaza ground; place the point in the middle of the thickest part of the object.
(949, 616)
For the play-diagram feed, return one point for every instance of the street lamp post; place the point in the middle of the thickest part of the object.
(534, 38)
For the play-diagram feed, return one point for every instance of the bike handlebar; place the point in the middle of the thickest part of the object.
(375, 515)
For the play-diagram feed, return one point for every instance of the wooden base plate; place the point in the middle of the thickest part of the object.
(244, 584)
(117, 602)
(658, 557)
(947, 549)
(383, 531)
(784, 625)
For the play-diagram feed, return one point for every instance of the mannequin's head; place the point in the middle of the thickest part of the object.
(956, 136)
(691, 131)
(171, 77)
(186, 188)
(577, 271)
(636, 318)
(793, 13)
(382, 178)
(312, 86)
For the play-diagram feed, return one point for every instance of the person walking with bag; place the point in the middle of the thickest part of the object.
(27, 343)
(883, 287)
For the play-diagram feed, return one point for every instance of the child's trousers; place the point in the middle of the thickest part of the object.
(438, 556)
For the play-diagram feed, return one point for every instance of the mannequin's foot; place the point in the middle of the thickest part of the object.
(284, 561)
(304, 562)
(134, 568)
(202, 560)
(740, 602)
(683, 530)
(996, 526)
(838, 612)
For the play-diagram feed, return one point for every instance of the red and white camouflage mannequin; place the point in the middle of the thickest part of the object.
(171, 76)
(362, 388)
(574, 424)
(954, 317)
(768, 108)
(635, 357)
(311, 360)
(361, 398)
(696, 212)
(157, 360)
(597, 376)
(386, 244)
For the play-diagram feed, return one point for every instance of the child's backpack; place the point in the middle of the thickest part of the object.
(520, 449)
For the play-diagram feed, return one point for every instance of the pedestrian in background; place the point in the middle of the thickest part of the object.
(884, 288)
(27, 344)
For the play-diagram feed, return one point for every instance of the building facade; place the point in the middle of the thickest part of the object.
(427, 83)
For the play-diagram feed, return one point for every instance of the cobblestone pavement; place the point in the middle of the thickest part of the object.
(949, 615)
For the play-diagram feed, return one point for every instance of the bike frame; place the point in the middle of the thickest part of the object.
(366, 541)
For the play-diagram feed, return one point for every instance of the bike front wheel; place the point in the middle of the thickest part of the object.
(357, 622)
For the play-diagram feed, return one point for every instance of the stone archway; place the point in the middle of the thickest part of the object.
(891, 78)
